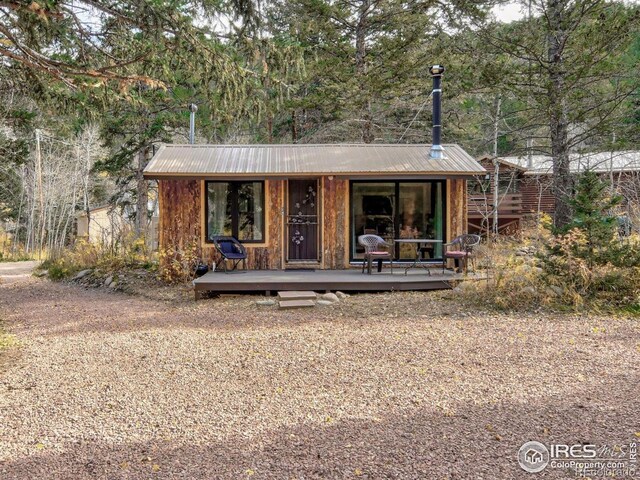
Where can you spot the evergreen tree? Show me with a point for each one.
(593, 207)
(570, 63)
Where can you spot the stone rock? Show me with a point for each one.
(108, 281)
(341, 295)
(332, 297)
(324, 302)
(82, 274)
(529, 290)
(42, 273)
(559, 291)
(113, 284)
(266, 303)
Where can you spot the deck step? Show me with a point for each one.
(296, 295)
(296, 303)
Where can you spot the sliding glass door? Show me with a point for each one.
(413, 209)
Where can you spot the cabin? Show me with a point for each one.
(507, 179)
(303, 206)
(524, 187)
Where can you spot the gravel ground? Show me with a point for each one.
(106, 385)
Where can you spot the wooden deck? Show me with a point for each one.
(268, 281)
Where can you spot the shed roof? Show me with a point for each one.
(622, 161)
(301, 159)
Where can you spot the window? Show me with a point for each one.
(235, 209)
(398, 210)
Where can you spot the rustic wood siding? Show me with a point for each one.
(335, 248)
(180, 213)
(456, 207)
(269, 255)
(537, 195)
(182, 221)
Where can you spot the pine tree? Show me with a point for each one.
(593, 206)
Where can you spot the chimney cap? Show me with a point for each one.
(436, 70)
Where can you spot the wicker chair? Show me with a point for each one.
(232, 250)
(374, 249)
(461, 249)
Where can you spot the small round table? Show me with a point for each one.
(418, 242)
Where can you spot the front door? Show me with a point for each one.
(302, 220)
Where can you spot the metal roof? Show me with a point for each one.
(301, 159)
(623, 161)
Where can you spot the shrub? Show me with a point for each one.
(581, 265)
(10, 250)
(177, 265)
(132, 253)
(544, 270)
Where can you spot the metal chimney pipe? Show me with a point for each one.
(436, 72)
(193, 108)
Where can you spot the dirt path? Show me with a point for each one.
(404, 386)
(11, 272)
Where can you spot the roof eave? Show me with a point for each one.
(275, 175)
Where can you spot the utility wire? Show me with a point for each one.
(416, 116)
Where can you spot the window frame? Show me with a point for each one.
(235, 212)
(396, 220)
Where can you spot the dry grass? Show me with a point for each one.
(398, 385)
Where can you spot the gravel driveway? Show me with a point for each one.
(404, 385)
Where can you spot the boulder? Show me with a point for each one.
(341, 295)
(559, 291)
(324, 302)
(108, 281)
(82, 274)
(332, 297)
(529, 291)
(266, 303)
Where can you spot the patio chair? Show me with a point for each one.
(374, 249)
(232, 250)
(460, 248)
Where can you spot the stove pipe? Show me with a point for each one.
(193, 108)
(437, 151)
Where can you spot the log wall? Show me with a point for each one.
(335, 223)
(537, 195)
(180, 213)
(456, 207)
(182, 221)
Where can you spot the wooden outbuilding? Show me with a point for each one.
(524, 187)
(304, 206)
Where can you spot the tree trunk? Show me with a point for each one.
(496, 165)
(294, 127)
(143, 192)
(558, 122)
(361, 68)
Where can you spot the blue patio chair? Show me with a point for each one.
(232, 250)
